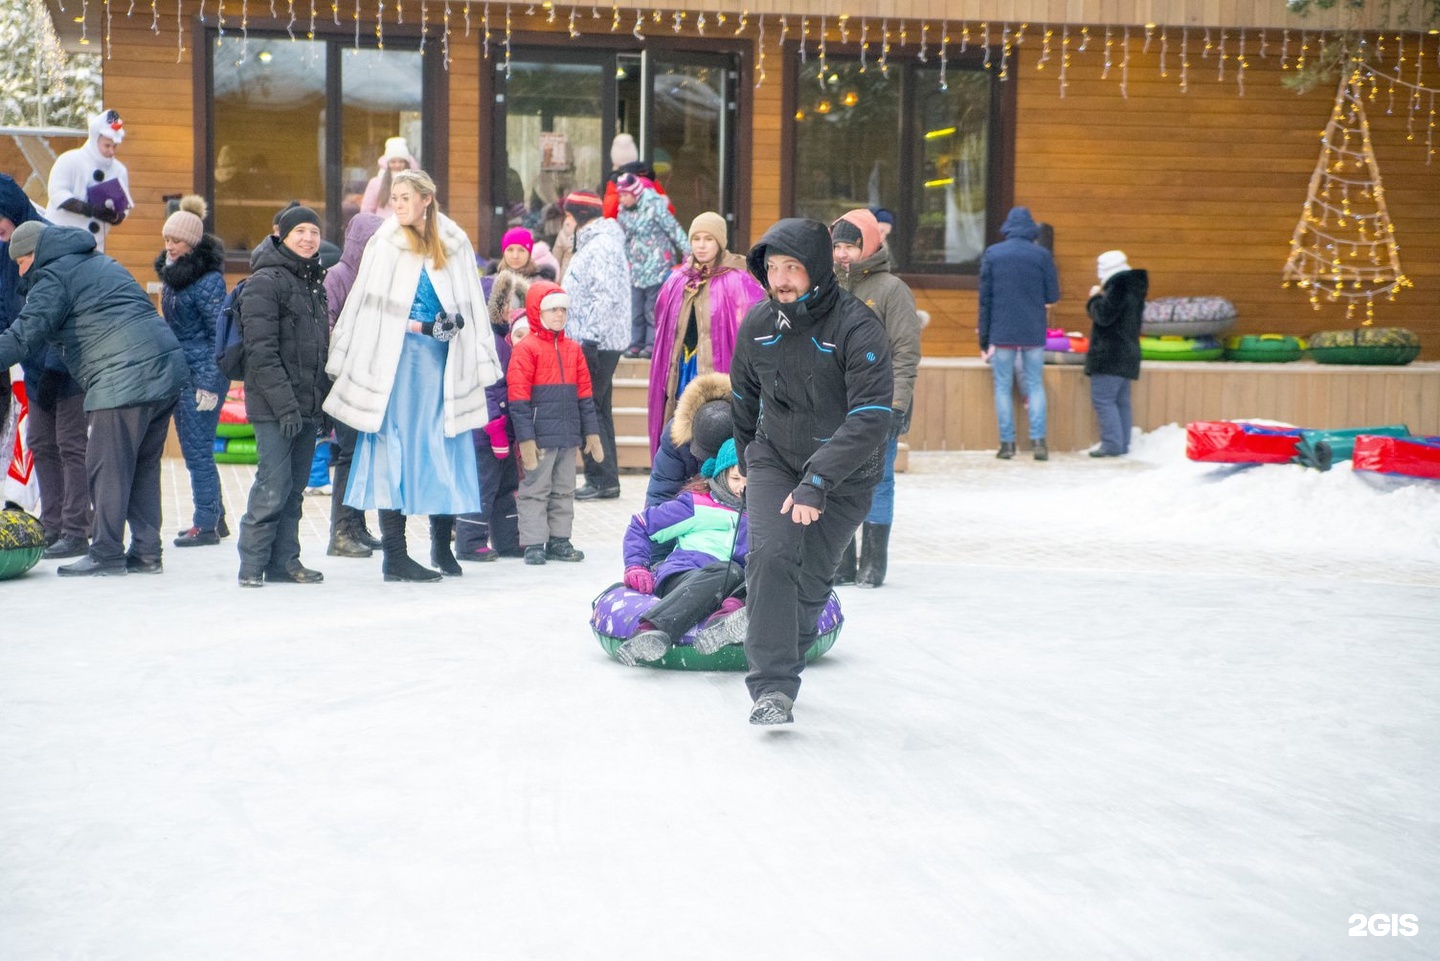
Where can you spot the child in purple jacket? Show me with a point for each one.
(704, 572)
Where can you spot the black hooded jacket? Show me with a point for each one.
(1116, 314)
(285, 325)
(813, 378)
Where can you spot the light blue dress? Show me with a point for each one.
(409, 465)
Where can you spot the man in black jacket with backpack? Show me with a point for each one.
(812, 390)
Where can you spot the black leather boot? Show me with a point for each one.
(442, 555)
(1007, 450)
(874, 551)
(398, 565)
(845, 573)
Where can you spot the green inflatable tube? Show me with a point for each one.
(22, 542)
(1264, 348)
(682, 657)
(1180, 348)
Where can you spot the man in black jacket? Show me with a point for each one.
(812, 390)
(132, 370)
(285, 327)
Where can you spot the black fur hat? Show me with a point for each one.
(714, 425)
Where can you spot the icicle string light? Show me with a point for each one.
(944, 55)
(1109, 44)
(1125, 64)
(760, 49)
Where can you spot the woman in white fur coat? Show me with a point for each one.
(411, 357)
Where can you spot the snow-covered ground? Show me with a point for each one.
(1101, 709)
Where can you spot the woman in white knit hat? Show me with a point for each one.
(192, 273)
(1116, 308)
(397, 157)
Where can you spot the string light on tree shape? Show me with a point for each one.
(1344, 244)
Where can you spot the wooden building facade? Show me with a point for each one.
(1160, 128)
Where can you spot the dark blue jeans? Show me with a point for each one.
(196, 429)
(270, 529)
(1110, 396)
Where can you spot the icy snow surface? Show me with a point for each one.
(1135, 708)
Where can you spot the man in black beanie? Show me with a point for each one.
(132, 368)
(286, 331)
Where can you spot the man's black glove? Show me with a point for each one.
(290, 426)
(810, 495)
(899, 422)
(444, 327)
(47, 392)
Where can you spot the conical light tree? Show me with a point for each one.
(1344, 245)
(41, 85)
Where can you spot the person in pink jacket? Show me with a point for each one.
(697, 313)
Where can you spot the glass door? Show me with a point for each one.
(556, 133)
(691, 130)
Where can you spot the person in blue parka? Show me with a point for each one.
(131, 367)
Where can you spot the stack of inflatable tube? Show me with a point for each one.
(1408, 456)
(1187, 317)
(1322, 449)
(1383, 346)
(22, 542)
(1180, 348)
(618, 611)
(1264, 348)
(1238, 442)
(1063, 348)
(234, 436)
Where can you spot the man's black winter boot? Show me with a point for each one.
(1007, 450)
(874, 554)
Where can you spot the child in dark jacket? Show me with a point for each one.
(706, 525)
(552, 409)
(494, 531)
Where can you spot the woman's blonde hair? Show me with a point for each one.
(424, 241)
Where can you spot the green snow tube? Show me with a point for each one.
(1180, 348)
(22, 542)
(238, 450)
(617, 612)
(1382, 346)
(1264, 348)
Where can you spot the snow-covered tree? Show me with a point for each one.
(40, 84)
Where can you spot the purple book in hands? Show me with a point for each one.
(109, 193)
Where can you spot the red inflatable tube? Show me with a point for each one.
(1411, 456)
(1230, 442)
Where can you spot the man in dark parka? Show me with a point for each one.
(812, 388)
(131, 367)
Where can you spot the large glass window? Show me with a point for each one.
(553, 136)
(304, 120)
(895, 139)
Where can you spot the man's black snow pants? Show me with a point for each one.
(790, 569)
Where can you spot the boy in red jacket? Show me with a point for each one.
(552, 411)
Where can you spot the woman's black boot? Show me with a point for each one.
(398, 565)
(442, 555)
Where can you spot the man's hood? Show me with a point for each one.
(15, 206)
(56, 242)
(808, 241)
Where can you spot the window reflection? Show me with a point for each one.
(690, 131)
(268, 111)
(849, 125)
(382, 93)
(552, 140)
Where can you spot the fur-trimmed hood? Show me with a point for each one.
(509, 286)
(699, 392)
(207, 256)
